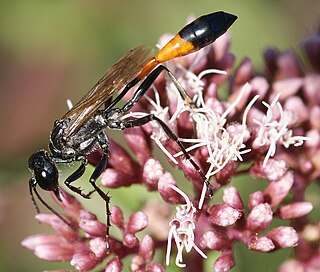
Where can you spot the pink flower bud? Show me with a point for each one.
(70, 203)
(288, 66)
(58, 225)
(270, 56)
(137, 264)
(225, 262)
(311, 46)
(296, 105)
(137, 222)
(284, 237)
(232, 197)
(244, 72)
(98, 247)
(292, 265)
(278, 190)
(84, 261)
(221, 47)
(33, 241)
(169, 195)
(255, 199)
(190, 172)
(224, 176)
(259, 86)
(121, 160)
(130, 240)
(214, 240)
(85, 215)
(155, 267)
(315, 117)
(117, 217)
(136, 139)
(273, 171)
(113, 178)
(259, 217)
(295, 210)
(152, 172)
(147, 247)
(223, 215)
(314, 141)
(311, 89)
(93, 227)
(114, 265)
(50, 247)
(287, 87)
(261, 243)
(54, 252)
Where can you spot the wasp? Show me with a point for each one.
(82, 128)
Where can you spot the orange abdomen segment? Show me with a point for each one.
(176, 47)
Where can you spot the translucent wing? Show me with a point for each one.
(120, 74)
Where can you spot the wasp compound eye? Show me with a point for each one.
(44, 170)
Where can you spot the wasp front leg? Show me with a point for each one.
(76, 175)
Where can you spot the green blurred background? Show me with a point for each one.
(54, 50)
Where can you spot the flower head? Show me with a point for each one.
(266, 127)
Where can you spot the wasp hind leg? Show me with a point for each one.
(173, 137)
(146, 84)
(103, 142)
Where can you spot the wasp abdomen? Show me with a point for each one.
(206, 29)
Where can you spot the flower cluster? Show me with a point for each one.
(267, 124)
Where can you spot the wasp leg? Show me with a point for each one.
(126, 89)
(145, 85)
(103, 142)
(73, 177)
(172, 136)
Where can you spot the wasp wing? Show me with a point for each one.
(117, 77)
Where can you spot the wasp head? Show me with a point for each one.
(44, 171)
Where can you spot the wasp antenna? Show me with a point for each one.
(31, 186)
(51, 209)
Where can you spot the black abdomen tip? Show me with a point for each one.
(206, 29)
